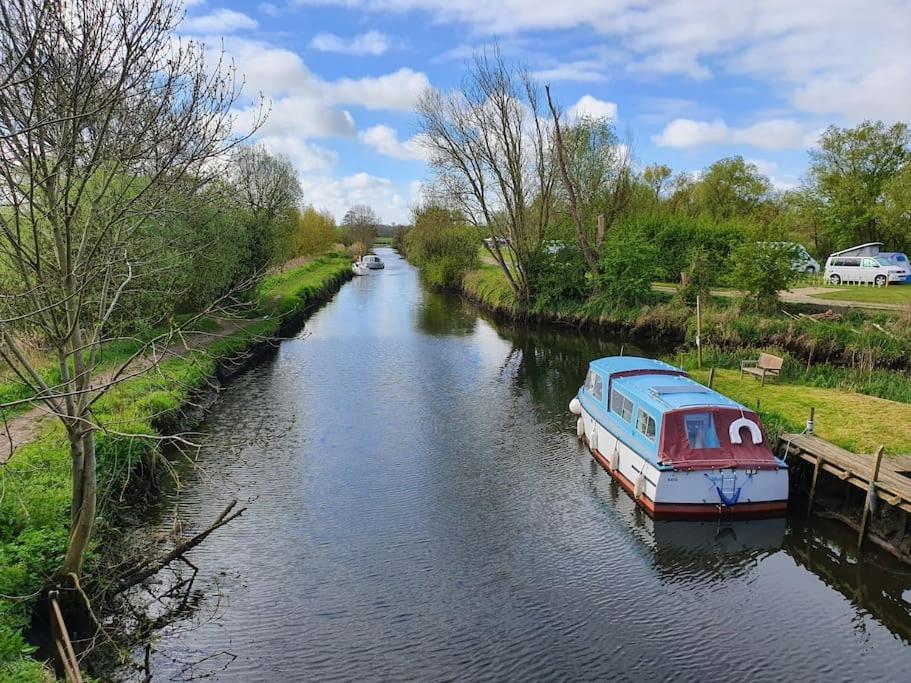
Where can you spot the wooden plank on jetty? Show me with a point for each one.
(893, 486)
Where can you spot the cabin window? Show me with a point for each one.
(621, 405)
(646, 425)
(594, 385)
(700, 430)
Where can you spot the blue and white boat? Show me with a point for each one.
(679, 448)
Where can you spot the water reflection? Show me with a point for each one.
(421, 509)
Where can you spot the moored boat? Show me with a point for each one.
(679, 448)
(359, 268)
(374, 262)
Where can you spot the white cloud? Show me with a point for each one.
(838, 57)
(306, 157)
(269, 9)
(301, 115)
(385, 140)
(884, 93)
(397, 91)
(594, 108)
(219, 21)
(771, 134)
(391, 203)
(689, 133)
(277, 71)
(370, 43)
(581, 71)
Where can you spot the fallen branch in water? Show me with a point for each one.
(143, 571)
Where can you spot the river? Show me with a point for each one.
(419, 508)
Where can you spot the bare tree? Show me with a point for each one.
(107, 118)
(491, 148)
(268, 188)
(360, 222)
(595, 171)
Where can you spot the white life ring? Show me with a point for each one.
(575, 407)
(740, 423)
(614, 461)
(580, 428)
(640, 487)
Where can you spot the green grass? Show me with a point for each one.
(856, 422)
(35, 483)
(894, 294)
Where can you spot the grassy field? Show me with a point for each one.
(35, 483)
(895, 294)
(853, 421)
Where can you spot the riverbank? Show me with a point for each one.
(840, 367)
(34, 507)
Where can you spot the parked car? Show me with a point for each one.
(803, 262)
(488, 241)
(900, 260)
(873, 270)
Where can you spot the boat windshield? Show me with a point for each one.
(700, 430)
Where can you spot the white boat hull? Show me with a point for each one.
(686, 493)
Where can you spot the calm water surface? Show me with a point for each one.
(419, 508)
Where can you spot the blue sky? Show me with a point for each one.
(690, 81)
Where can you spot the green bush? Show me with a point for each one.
(444, 253)
(559, 278)
(675, 237)
(762, 270)
(627, 268)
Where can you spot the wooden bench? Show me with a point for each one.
(766, 365)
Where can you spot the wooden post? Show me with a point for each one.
(810, 421)
(711, 376)
(621, 349)
(699, 331)
(757, 405)
(870, 491)
(816, 469)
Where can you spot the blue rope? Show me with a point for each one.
(725, 500)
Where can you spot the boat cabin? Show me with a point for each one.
(672, 421)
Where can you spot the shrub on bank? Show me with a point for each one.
(559, 278)
(443, 251)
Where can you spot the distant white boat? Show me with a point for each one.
(359, 268)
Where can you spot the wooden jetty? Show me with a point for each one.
(885, 478)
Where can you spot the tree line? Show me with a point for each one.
(129, 205)
(531, 180)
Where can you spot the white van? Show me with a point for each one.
(872, 270)
(803, 262)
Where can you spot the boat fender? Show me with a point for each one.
(593, 441)
(640, 487)
(575, 407)
(737, 425)
(614, 461)
(580, 428)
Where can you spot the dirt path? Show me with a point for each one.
(801, 295)
(24, 428)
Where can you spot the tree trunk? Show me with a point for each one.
(84, 522)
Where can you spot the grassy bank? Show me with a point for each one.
(858, 406)
(859, 339)
(35, 483)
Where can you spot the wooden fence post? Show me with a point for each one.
(711, 376)
(871, 491)
(816, 468)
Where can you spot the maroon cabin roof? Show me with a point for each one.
(676, 450)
